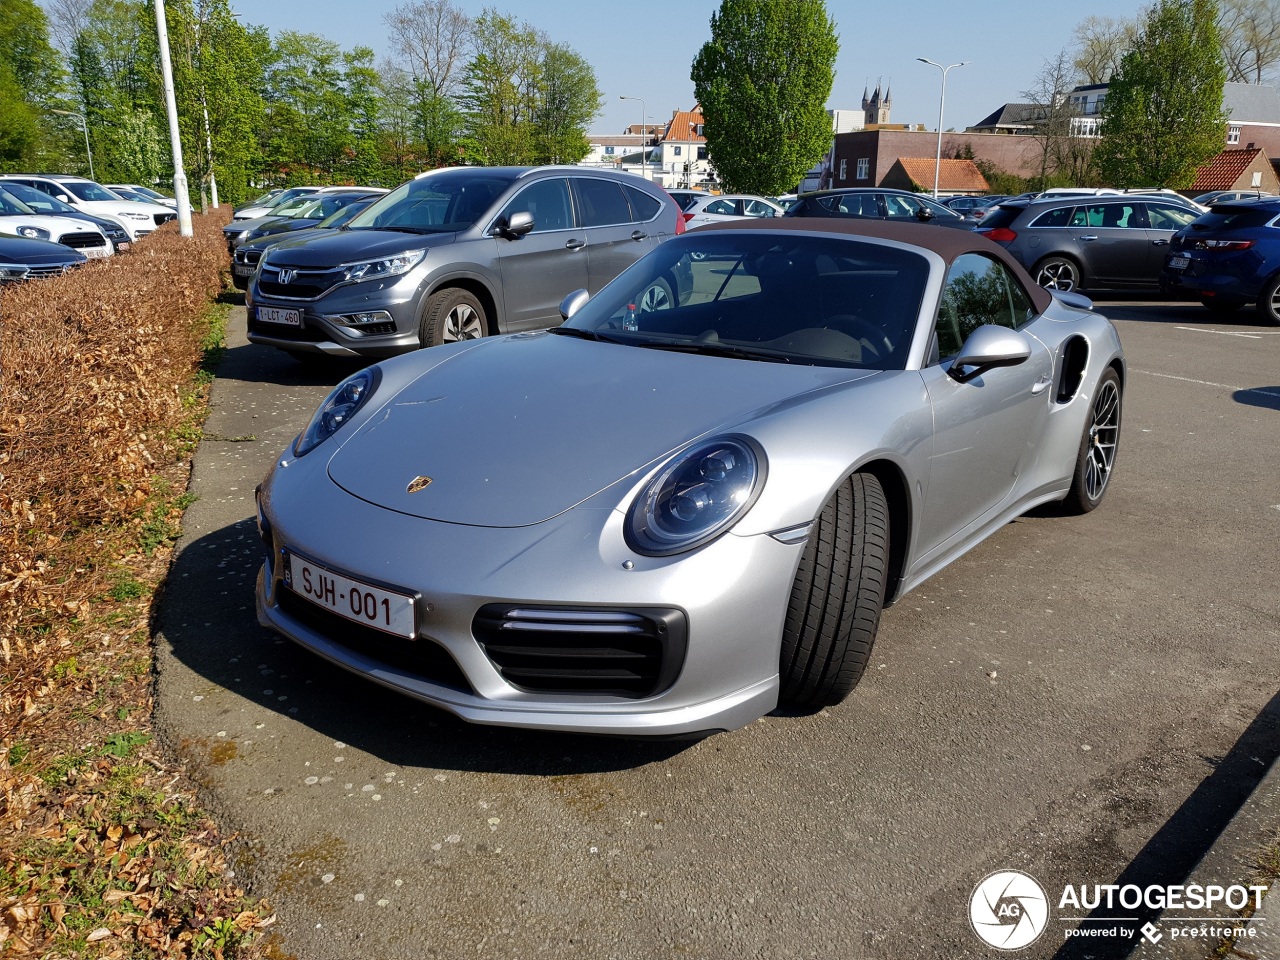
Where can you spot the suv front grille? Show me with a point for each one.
(423, 658)
(303, 284)
(251, 257)
(48, 270)
(80, 241)
(579, 650)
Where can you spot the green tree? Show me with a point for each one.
(763, 80)
(1163, 117)
(499, 89)
(569, 101)
(30, 81)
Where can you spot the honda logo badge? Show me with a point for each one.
(287, 275)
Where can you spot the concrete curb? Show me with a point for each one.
(1231, 860)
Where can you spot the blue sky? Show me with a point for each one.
(643, 48)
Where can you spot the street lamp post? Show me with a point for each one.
(84, 125)
(942, 100)
(644, 138)
(175, 139)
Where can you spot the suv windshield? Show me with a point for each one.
(783, 299)
(11, 206)
(442, 202)
(86, 190)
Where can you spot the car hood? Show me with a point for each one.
(241, 226)
(516, 430)
(36, 252)
(274, 239)
(56, 226)
(350, 246)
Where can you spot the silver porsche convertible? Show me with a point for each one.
(687, 505)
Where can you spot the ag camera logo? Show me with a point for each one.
(1008, 910)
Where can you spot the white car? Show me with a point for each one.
(19, 220)
(138, 219)
(729, 206)
(153, 195)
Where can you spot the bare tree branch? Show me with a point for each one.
(432, 38)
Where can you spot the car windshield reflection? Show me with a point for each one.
(804, 300)
(444, 202)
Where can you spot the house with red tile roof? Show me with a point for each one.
(1237, 170)
(955, 177)
(683, 158)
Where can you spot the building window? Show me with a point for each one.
(699, 129)
(702, 153)
(1233, 133)
(608, 151)
(864, 168)
(844, 166)
(676, 151)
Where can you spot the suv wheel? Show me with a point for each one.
(452, 314)
(1057, 273)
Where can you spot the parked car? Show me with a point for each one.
(24, 259)
(146, 193)
(876, 203)
(961, 205)
(1227, 196)
(729, 206)
(247, 255)
(454, 254)
(1088, 242)
(19, 220)
(252, 211)
(138, 219)
(1229, 257)
(307, 208)
(686, 198)
(47, 205)
(678, 519)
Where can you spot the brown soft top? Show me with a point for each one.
(948, 243)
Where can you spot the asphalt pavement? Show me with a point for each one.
(1087, 700)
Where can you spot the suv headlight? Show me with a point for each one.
(338, 408)
(383, 267)
(33, 233)
(696, 497)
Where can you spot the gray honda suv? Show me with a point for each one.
(1089, 243)
(455, 254)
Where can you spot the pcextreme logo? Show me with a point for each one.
(1008, 910)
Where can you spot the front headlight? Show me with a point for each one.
(696, 497)
(33, 233)
(338, 408)
(384, 267)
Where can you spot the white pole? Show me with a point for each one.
(644, 138)
(942, 100)
(175, 139)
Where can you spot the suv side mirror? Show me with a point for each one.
(987, 347)
(924, 214)
(517, 225)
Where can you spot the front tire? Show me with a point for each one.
(837, 597)
(1097, 456)
(1058, 273)
(452, 314)
(1269, 301)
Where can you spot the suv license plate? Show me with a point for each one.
(279, 315)
(352, 599)
(1179, 263)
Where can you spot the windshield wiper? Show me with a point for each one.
(584, 334)
(400, 229)
(716, 350)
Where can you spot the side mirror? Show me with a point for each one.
(987, 347)
(63, 197)
(517, 225)
(924, 214)
(573, 303)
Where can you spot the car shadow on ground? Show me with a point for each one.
(1267, 397)
(205, 615)
(1184, 839)
(254, 363)
(1138, 307)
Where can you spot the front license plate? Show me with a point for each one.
(354, 600)
(93, 253)
(1179, 263)
(243, 269)
(279, 315)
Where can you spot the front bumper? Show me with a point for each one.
(321, 330)
(730, 598)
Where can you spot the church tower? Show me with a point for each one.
(876, 108)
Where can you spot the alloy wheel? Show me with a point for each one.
(1104, 432)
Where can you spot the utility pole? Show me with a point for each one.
(175, 139)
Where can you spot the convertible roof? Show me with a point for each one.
(945, 242)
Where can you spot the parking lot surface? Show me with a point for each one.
(1085, 699)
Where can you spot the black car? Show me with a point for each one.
(246, 256)
(42, 203)
(23, 259)
(876, 203)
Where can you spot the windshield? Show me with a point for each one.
(294, 207)
(37, 200)
(441, 202)
(346, 214)
(11, 206)
(764, 296)
(86, 190)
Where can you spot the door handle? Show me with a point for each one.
(1040, 386)
(575, 244)
(1159, 243)
(639, 235)
(1090, 237)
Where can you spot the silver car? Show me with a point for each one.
(455, 254)
(667, 522)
